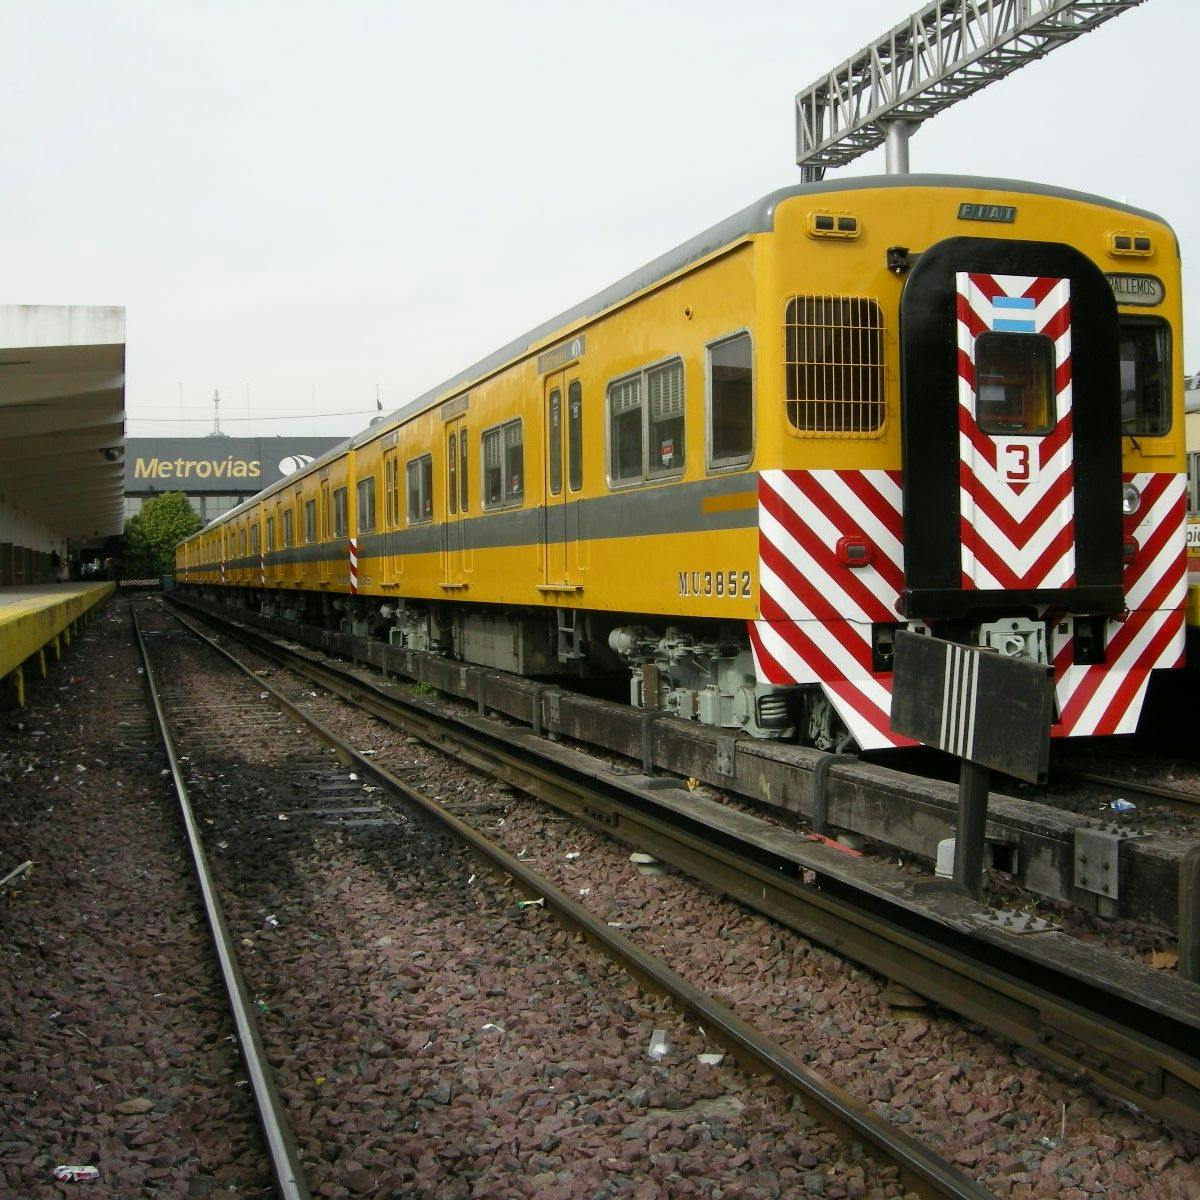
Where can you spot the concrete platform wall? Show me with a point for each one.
(27, 547)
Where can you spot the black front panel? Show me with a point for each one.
(930, 429)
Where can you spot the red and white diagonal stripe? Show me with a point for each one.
(354, 566)
(1107, 698)
(262, 571)
(1016, 492)
(816, 612)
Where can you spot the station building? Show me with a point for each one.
(62, 429)
(217, 472)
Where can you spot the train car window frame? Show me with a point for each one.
(418, 473)
(364, 491)
(310, 521)
(255, 538)
(554, 433)
(242, 542)
(715, 461)
(463, 461)
(575, 436)
(670, 440)
(509, 462)
(826, 354)
(289, 528)
(341, 512)
(1136, 423)
(642, 400)
(391, 511)
(452, 471)
(270, 533)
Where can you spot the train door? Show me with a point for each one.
(1011, 431)
(455, 553)
(559, 532)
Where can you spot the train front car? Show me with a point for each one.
(984, 439)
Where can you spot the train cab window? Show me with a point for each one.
(452, 472)
(366, 504)
(730, 401)
(310, 521)
(625, 429)
(1014, 381)
(504, 466)
(420, 490)
(462, 470)
(270, 533)
(834, 365)
(289, 529)
(575, 435)
(1145, 376)
(341, 520)
(554, 433)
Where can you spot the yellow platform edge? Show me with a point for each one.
(31, 626)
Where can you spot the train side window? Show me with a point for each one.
(730, 401)
(625, 428)
(270, 533)
(341, 521)
(575, 436)
(504, 465)
(255, 538)
(420, 490)
(310, 521)
(1014, 382)
(289, 529)
(242, 543)
(462, 470)
(452, 471)
(664, 386)
(366, 504)
(555, 431)
(1145, 376)
(834, 368)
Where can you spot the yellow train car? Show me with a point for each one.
(855, 406)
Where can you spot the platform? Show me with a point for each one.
(36, 619)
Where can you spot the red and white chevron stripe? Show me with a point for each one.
(1016, 492)
(222, 571)
(815, 611)
(262, 571)
(1107, 698)
(354, 566)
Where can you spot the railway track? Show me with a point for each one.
(1182, 798)
(1131, 1030)
(916, 1167)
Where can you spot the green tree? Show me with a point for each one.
(152, 535)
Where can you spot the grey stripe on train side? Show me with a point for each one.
(639, 512)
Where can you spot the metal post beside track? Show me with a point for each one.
(987, 709)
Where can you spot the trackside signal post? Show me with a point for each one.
(991, 711)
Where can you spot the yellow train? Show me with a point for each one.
(924, 401)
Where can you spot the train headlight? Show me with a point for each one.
(1131, 499)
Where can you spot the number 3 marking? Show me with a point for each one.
(1016, 465)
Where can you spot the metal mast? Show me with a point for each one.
(216, 429)
(944, 52)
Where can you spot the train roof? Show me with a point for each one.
(758, 217)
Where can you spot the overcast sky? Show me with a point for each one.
(315, 198)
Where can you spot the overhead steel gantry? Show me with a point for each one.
(943, 53)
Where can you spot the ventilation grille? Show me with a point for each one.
(833, 359)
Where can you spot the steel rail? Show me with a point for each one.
(921, 1170)
(1141, 1048)
(281, 1143)
(1189, 799)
